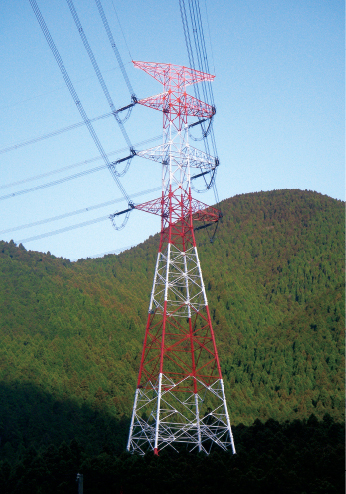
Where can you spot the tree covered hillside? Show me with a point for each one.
(71, 333)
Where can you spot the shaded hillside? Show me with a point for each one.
(290, 458)
(275, 282)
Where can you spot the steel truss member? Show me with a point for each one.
(180, 395)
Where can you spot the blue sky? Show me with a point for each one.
(279, 92)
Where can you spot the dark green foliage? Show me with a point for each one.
(275, 286)
(71, 333)
(298, 457)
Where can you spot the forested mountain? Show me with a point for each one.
(71, 333)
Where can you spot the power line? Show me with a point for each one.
(58, 170)
(57, 89)
(78, 211)
(68, 167)
(211, 46)
(76, 99)
(53, 133)
(115, 48)
(63, 230)
(51, 184)
(201, 64)
(77, 225)
(97, 70)
(116, 251)
(64, 179)
(128, 49)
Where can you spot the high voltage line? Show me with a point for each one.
(78, 211)
(96, 67)
(58, 88)
(51, 184)
(115, 48)
(116, 251)
(77, 101)
(52, 134)
(63, 230)
(77, 225)
(202, 62)
(198, 59)
(86, 121)
(64, 179)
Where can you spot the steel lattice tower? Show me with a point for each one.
(180, 394)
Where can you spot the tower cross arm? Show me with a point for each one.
(199, 210)
(203, 212)
(195, 157)
(170, 73)
(179, 105)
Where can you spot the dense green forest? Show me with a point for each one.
(71, 334)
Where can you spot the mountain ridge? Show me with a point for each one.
(274, 281)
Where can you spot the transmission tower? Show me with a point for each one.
(180, 395)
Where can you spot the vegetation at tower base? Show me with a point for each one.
(72, 333)
(297, 457)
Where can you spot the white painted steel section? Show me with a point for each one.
(198, 424)
(132, 421)
(178, 421)
(154, 282)
(187, 287)
(197, 158)
(167, 270)
(227, 417)
(157, 425)
(201, 277)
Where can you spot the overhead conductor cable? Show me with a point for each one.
(200, 62)
(79, 105)
(115, 50)
(98, 74)
(66, 215)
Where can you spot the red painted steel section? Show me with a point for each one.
(175, 103)
(190, 350)
(143, 353)
(193, 357)
(174, 75)
(214, 343)
(187, 206)
(163, 348)
(178, 211)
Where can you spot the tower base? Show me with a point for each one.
(199, 421)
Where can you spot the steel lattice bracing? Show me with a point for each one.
(180, 393)
(174, 102)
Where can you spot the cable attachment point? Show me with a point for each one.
(114, 164)
(118, 213)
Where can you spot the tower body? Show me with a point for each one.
(180, 396)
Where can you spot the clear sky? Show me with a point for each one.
(279, 93)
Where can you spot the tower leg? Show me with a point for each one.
(198, 424)
(199, 438)
(157, 425)
(132, 420)
(227, 418)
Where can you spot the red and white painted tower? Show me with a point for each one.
(180, 394)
